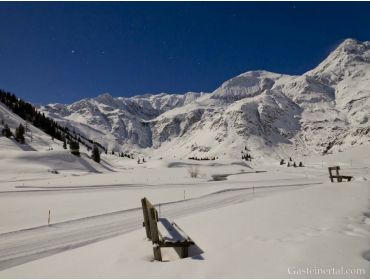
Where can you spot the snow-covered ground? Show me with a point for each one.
(264, 220)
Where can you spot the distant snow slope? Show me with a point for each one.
(325, 109)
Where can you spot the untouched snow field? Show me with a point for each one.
(277, 222)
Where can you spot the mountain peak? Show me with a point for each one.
(349, 42)
(105, 98)
(105, 95)
(353, 46)
(350, 54)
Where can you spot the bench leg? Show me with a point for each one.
(157, 252)
(183, 252)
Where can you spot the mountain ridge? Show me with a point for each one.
(325, 109)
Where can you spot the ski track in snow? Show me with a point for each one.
(26, 245)
(38, 189)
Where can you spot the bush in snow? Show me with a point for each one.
(193, 171)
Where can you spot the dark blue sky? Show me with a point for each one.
(62, 52)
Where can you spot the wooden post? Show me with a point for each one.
(146, 224)
(330, 175)
(154, 234)
(339, 179)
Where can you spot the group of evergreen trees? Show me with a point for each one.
(202, 158)
(247, 157)
(291, 163)
(6, 131)
(122, 154)
(18, 135)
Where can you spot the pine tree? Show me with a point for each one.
(282, 162)
(74, 147)
(300, 164)
(95, 155)
(19, 134)
(6, 131)
(64, 143)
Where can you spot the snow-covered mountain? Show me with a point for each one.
(325, 109)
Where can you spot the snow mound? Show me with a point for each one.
(42, 162)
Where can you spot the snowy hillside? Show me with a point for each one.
(324, 110)
(40, 154)
(36, 140)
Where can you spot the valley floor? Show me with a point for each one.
(279, 222)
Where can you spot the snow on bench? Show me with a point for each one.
(164, 233)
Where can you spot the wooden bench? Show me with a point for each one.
(337, 176)
(163, 233)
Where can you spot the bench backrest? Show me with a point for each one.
(150, 220)
(336, 168)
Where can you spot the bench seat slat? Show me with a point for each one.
(171, 233)
(176, 243)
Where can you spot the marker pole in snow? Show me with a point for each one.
(49, 218)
